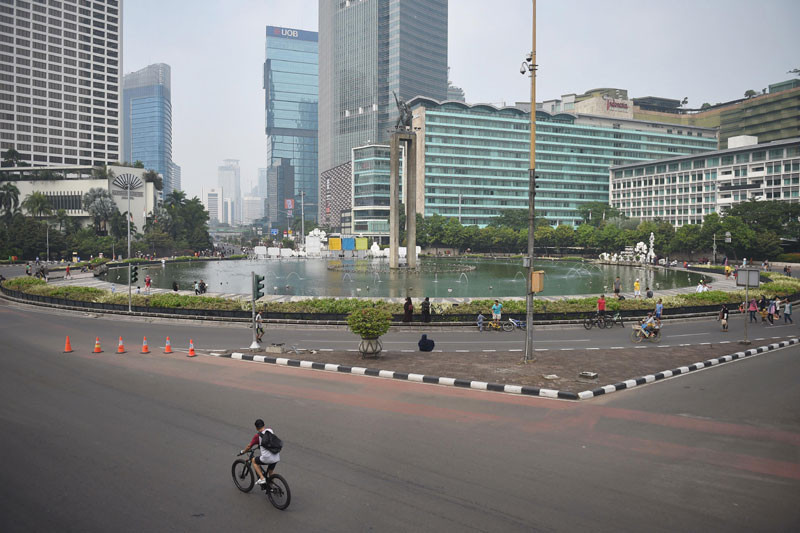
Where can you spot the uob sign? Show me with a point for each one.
(288, 33)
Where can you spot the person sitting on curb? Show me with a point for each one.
(425, 344)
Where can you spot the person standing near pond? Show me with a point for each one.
(637, 289)
(175, 286)
(408, 310)
(497, 312)
(426, 310)
(617, 287)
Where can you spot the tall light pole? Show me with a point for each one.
(302, 217)
(529, 66)
(128, 216)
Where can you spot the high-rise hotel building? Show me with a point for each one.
(60, 64)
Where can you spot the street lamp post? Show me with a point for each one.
(529, 66)
(128, 216)
(302, 217)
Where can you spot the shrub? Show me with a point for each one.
(369, 323)
(793, 257)
(22, 284)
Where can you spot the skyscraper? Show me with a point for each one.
(60, 63)
(147, 120)
(229, 182)
(212, 200)
(175, 171)
(368, 50)
(291, 97)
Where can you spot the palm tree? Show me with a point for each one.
(175, 199)
(102, 173)
(99, 203)
(9, 199)
(62, 217)
(37, 204)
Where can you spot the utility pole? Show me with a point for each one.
(128, 216)
(715, 248)
(530, 66)
(302, 217)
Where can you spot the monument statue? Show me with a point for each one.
(404, 120)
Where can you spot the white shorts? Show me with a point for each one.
(637, 293)
(268, 458)
(495, 316)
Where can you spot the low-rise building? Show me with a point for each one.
(683, 190)
(65, 186)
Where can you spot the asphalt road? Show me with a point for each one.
(144, 442)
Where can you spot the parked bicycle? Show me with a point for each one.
(613, 320)
(491, 325)
(513, 324)
(276, 487)
(596, 320)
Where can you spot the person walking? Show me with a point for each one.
(617, 287)
(147, 281)
(479, 321)
(659, 309)
(196, 288)
(408, 310)
(787, 312)
(723, 318)
(752, 308)
(426, 310)
(68, 275)
(771, 312)
(762, 308)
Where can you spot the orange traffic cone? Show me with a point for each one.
(97, 345)
(145, 347)
(191, 349)
(121, 347)
(67, 346)
(168, 347)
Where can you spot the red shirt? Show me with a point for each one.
(601, 304)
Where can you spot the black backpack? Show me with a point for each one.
(271, 442)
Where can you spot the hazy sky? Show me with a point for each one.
(706, 50)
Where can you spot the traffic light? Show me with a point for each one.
(134, 274)
(258, 287)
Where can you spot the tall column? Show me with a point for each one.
(411, 200)
(394, 193)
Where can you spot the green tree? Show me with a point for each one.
(586, 236)
(12, 158)
(453, 234)
(749, 93)
(687, 239)
(9, 200)
(544, 237)
(99, 203)
(564, 236)
(37, 204)
(102, 173)
(516, 219)
(595, 213)
(151, 176)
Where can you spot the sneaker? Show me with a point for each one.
(261, 482)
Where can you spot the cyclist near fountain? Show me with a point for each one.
(497, 311)
(649, 324)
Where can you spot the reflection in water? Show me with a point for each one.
(490, 279)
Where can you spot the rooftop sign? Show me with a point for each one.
(291, 33)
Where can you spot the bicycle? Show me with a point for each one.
(596, 320)
(616, 319)
(276, 487)
(492, 325)
(512, 324)
(638, 334)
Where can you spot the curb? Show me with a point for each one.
(496, 387)
(419, 378)
(635, 382)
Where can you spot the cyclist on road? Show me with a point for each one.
(267, 458)
(649, 324)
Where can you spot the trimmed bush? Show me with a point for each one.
(369, 323)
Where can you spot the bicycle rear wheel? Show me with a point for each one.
(588, 323)
(601, 323)
(656, 336)
(242, 475)
(278, 492)
(508, 326)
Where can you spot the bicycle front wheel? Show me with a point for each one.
(588, 323)
(242, 475)
(601, 323)
(508, 326)
(278, 492)
(636, 335)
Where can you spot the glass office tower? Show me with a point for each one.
(292, 93)
(369, 50)
(147, 120)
